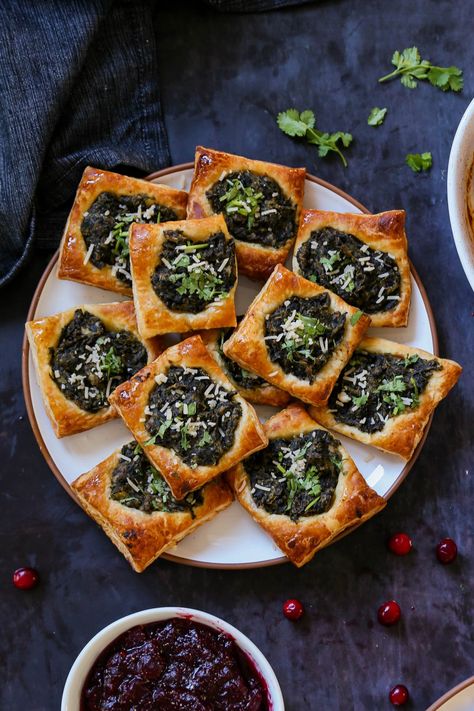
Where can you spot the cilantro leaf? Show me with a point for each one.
(359, 401)
(294, 123)
(419, 161)
(410, 67)
(376, 116)
(396, 385)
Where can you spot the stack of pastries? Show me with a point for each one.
(195, 438)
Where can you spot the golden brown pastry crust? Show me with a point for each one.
(66, 417)
(299, 540)
(385, 232)
(73, 249)
(153, 316)
(256, 261)
(263, 395)
(247, 346)
(131, 398)
(142, 537)
(402, 433)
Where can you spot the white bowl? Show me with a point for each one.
(81, 667)
(460, 165)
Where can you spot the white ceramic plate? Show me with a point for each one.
(232, 539)
(461, 190)
(461, 698)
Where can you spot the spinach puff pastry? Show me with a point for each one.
(190, 421)
(80, 356)
(386, 395)
(297, 336)
(362, 258)
(184, 275)
(261, 203)
(127, 496)
(251, 386)
(303, 488)
(94, 248)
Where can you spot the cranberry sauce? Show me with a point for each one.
(173, 665)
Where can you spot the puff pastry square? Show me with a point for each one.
(133, 504)
(297, 336)
(303, 489)
(386, 395)
(261, 203)
(80, 355)
(362, 258)
(190, 421)
(251, 386)
(94, 246)
(184, 275)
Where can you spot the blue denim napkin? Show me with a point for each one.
(79, 86)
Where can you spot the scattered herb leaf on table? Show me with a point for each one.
(294, 123)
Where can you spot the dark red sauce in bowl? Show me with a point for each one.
(174, 665)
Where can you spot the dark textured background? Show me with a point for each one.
(224, 77)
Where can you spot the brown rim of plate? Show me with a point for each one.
(451, 694)
(169, 556)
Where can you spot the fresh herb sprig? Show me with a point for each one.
(419, 161)
(294, 123)
(410, 67)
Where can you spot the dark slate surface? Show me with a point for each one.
(224, 78)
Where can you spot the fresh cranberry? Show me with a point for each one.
(400, 543)
(446, 551)
(25, 578)
(389, 613)
(399, 695)
(293, 609)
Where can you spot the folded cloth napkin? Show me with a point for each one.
(79, 86)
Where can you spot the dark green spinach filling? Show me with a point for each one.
(364, 277)
(240, 376)
(255, 208)
(89, 361)
(191, 275)
(136, 483)
(106, 224)
(301, 334)
(192, 414)
(297, 476)
(377, 386)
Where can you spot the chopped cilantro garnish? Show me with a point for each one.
(355, 317)
(241, 200)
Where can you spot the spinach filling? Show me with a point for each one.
(377, 386)
(106, 224)
(136, 483)
(297, 476)
(364, 277)
(255, 208)
(89, 361)
(193, 415)
(241, 377)
(301, 334)
(192, 275)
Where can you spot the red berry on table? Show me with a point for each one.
(399, 695)
(446, 551)
(293, 609)
(389, 613)
(25, 578)
(400, 543)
